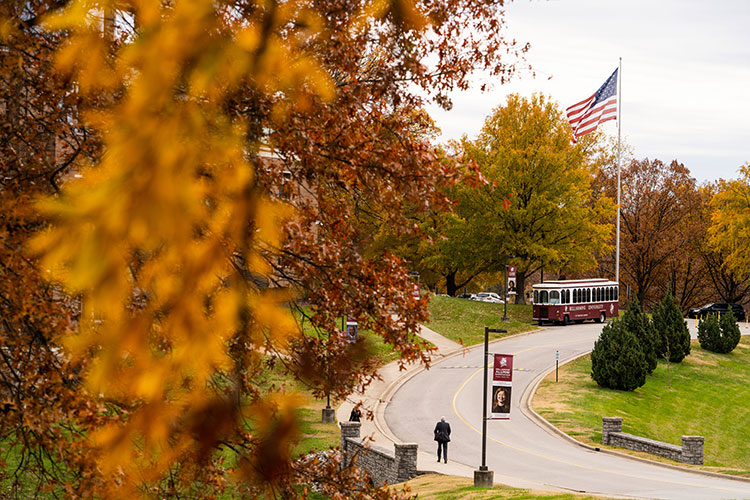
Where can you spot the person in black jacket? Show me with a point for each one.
(442, 436)
(355, 415)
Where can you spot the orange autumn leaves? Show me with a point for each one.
(150, 235)
(169, 231)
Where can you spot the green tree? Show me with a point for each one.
(671, 330)
(638, 323)
(617, 361)
(537, 203)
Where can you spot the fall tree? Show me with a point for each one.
(537, 204)
(730, 222)
(659, 240)
(722, 282)
(145, 296)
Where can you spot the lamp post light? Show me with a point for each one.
(505, 290)
(483, 477)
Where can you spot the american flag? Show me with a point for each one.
(586, 115)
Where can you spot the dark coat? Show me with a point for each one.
(442, 432)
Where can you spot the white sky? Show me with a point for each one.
(685, 74)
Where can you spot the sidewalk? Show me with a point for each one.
(377, 396)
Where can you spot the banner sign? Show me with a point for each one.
(511, 280)
(352, 328)
(502, 384)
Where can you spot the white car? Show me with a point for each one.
(488, 297)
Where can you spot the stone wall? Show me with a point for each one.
(691, 451)
(383, 465)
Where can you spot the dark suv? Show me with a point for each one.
(718, 308)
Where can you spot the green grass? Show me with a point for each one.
(439, 487)
(463, 320)
(375, 344)
(705, 395)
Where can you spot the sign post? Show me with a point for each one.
(507, 284)
(484, 478)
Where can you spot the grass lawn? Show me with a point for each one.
(705, 395)
(439, 487)
(463, 320)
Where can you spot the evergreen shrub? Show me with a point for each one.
(638, 323)
(709, 333)
(730, 332)
(719, 335)
(673, 336)
(617, 361)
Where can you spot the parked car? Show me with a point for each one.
(466, 296)
(488, 297)
(718, 308)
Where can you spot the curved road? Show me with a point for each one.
(521, 450)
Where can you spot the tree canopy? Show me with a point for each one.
(173, 252)
(730, 222)
(537, 204)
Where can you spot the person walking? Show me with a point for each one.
(442, 436)
(355, 415)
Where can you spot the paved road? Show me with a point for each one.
(519, 451)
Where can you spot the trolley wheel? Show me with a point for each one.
(566, 320)
(602, 318)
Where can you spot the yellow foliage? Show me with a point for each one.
(147, 236)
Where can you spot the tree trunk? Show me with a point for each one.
(520, 288)
(450, 283)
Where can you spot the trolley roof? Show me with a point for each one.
(574, 283)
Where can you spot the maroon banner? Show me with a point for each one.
(503, 369)
(502, 385)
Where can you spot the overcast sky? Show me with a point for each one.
(685, 74)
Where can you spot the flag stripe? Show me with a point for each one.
(585, 116)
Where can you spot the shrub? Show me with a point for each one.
(672, 332)
(638, 323)
(730, 333)
(617, 361)
(709, 333)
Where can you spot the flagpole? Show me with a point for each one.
(619, 124)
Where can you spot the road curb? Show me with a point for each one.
(527, 410)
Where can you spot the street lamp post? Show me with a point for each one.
(484, 478)
(505, 291)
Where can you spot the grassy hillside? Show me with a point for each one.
(705, 395)
(463, 320)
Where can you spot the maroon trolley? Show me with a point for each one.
(575, 300)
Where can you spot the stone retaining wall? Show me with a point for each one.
(691, 451)
(383, 465)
